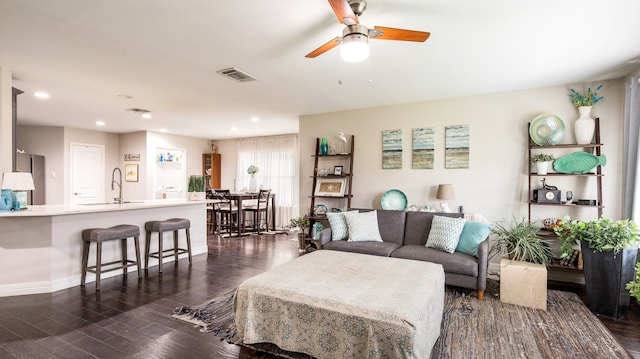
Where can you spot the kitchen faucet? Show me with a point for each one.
(119, 183)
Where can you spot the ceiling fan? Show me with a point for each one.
(355, 37)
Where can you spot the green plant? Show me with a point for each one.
(196, 183)
(299, 222)
(600, 235)
(588, 99)
(542, 157)
(634, 285)
(519, 240)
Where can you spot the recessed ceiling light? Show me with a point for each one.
(100, 123)
(234, 129)
(254, 119)
(146, 115)
(163, 130)
(41, 94)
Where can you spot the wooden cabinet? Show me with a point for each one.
(537, 209)
(325, 178)
(211, 164)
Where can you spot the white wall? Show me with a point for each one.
(228, 151)
(193, 148)
(46, 141)
(495, 185)
(135, 143)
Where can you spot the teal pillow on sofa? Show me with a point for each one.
(472, 235)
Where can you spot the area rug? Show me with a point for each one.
(470, 328)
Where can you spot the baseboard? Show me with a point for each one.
(14, 289)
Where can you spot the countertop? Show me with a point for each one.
(66, 209)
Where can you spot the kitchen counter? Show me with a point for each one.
(41, 247)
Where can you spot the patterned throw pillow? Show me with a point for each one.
(472, 235)
(445, 233)
(363, 227)
(339, 229)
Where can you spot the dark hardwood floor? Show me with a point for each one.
(130, 318)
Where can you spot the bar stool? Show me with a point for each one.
(99, 235)
(173, 224)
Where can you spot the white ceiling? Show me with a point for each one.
(165, 54)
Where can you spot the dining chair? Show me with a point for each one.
(224, 211)
(256, 211)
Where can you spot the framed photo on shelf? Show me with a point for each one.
(330, 187)
(337, 170)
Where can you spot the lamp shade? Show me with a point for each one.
(445, 191)
(18, 181)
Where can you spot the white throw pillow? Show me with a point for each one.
(339, 229)
(363, 227)
(445, 233)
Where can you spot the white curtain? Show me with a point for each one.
(631, 154)
(277, 160)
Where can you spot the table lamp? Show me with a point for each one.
(19, 183)
(445, 192)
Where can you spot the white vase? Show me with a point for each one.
(542, 167)
(584, 126)
(253, 184)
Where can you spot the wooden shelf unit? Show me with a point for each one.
(596, 147)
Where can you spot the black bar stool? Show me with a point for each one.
(99, 235)
(173, 224)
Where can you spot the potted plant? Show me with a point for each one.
(609, 251)
(523, 274)
(542, 161)
(584, 125)
(302, 223)
(519, 241)
(196, 188)
(634, 286)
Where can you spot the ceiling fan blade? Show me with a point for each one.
(343, 12)
(390, 33)
(324, 48)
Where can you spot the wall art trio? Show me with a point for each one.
(423, 148)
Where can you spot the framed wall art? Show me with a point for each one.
(423, 148)
(456, 146)
(330, 187)
(131, 173)
(391, 149)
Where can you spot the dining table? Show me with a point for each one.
(239, 198)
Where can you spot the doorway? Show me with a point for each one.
(87, 173)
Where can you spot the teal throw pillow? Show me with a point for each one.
(363, 227)
(472, 235)
(445, 233)
(339, 229)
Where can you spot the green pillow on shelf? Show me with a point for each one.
(472, 235)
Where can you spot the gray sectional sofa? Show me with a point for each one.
(404, 235)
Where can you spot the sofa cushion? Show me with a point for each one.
(472, 235)
(457, 262)
(391, 224)
(445, 233)
(339, 229)
(363, 227)
(418, 225)
(375, 248)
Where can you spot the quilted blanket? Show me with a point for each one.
(332, 304)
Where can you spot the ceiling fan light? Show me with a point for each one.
(355, 48)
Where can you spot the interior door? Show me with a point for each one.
(87, 174)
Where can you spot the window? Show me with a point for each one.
(277, 160)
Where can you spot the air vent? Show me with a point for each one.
(237, 74)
